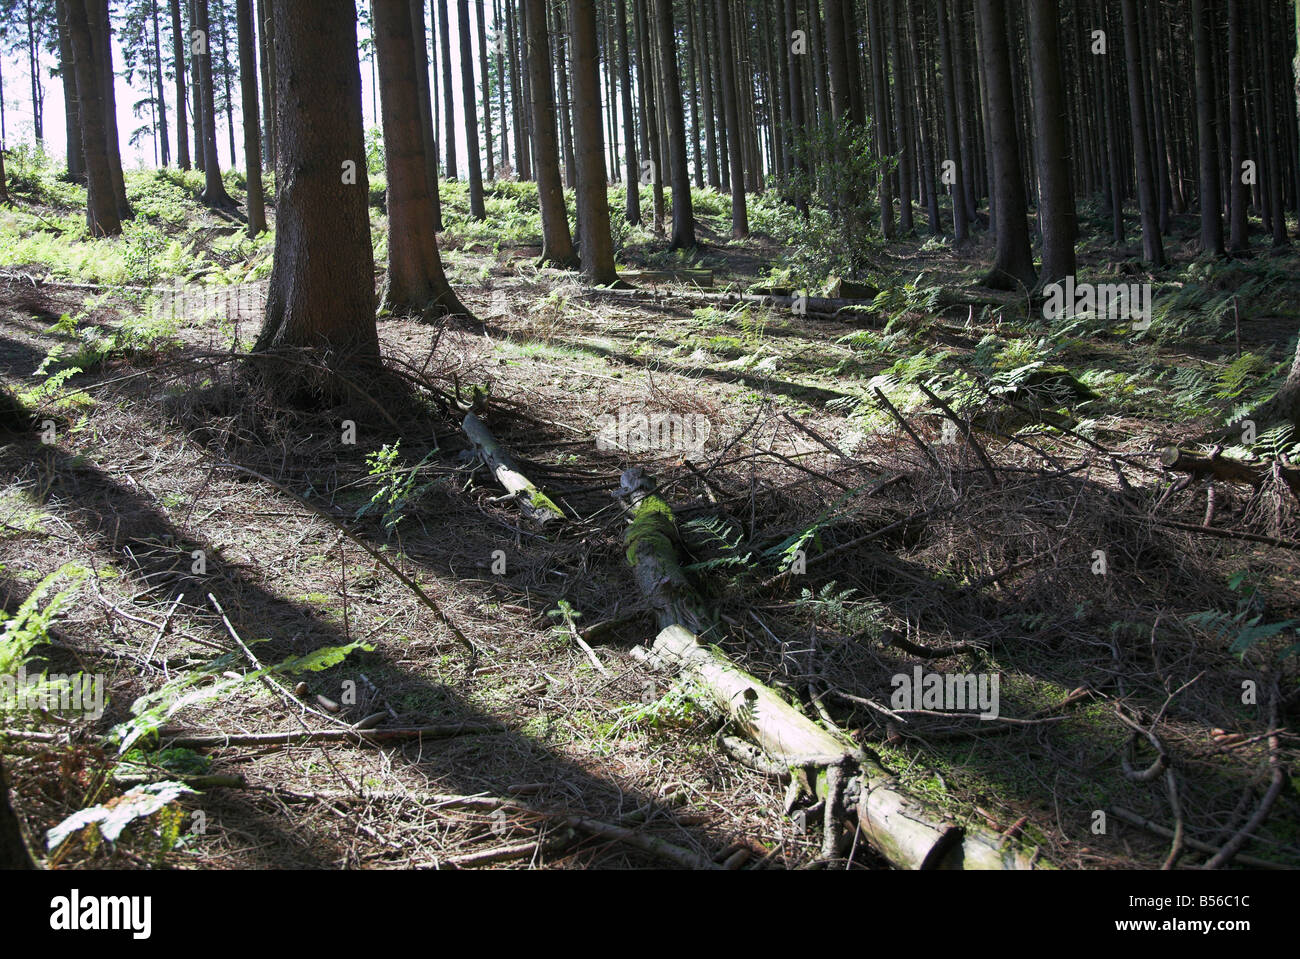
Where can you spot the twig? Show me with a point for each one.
(187, 740)
(966, 431)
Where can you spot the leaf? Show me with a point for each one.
(116, 815)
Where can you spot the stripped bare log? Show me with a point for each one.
(909, 831)
(1219, 467)
(536, 504)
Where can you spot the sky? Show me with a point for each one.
(19, 125)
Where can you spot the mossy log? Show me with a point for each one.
(907, 830)
(535, 503)
(1226, 469)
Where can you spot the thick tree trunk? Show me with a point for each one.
(477, 210)
(322, 288)
(486, 81)
(214, 190)
(101, 34)
(1210, 192)
(158, 72)
(13, 851)
(252, 125)
(102, 215)
(1238, 239)
(557, 240)
(1014, 262)
(629, 122)
(1152, 245)
(416, 281)
(952, 127)
(72, 113)
(683, 237)
(597, 247)
(419, 44)
(266, 46)
(731, 111)
(449, 112)
(1056, 211)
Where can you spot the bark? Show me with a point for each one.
(562, 86)
(102, 217)
(629, 122)
(101, 33)
(739, 212)
(477, 211)
(72, 114)
(1152, 245)
(1211, 195)
(487, 91)
(650, 141)
(252, 125)
(416, 282)
(214, 190)
(1056, 209)
(321, 294)
(797, 116)
(449, 113)
(592, 196)
(267, 56)
(419, 43)
(1014, 262)
(903, 118)
(158, 72)
(1238, 241)
(557, 241)
(683, 237)
(952, 123)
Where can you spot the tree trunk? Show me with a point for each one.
(731, 112)
(449, 113)
(1211, 195)
(557, 241)
(416, 281)
(592, 196)
(1238, 240)
(101, 37)
(650, 143)
(477, 211)
(266, 43)
(13, 851)
(683, 237)
(419, 44)
(322, 288)
(72, 113)
(214, 190)
(952, 126)
(629, 122)
(1014, 262)
(1056, 212)
(1152, 245)
(252, 124)
(102, 217)
(158, 71)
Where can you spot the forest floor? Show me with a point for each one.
(923, 549)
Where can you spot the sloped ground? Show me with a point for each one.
(931, 559)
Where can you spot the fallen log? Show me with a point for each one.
(536, 505)
(1228, 470)
(182, 739)
(909, 831)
